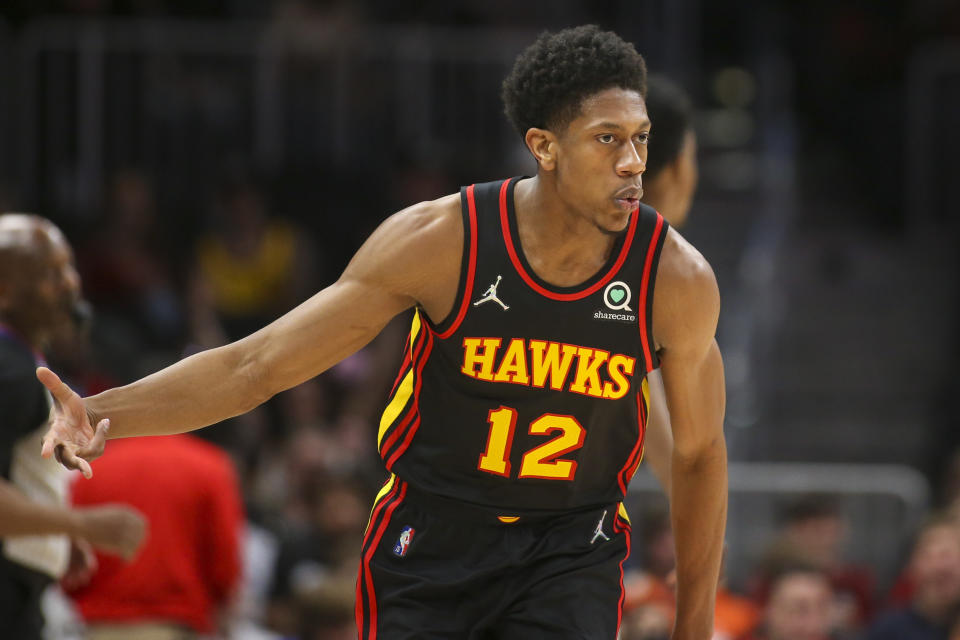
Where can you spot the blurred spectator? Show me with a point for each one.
(671, 176)
(813, 531)
(250, 268)
(650, 611)
(182, 583)
(39, 291)
(734, 616)
(315, 576)
(934, 570)
(648, 582)
(125, 270)
(799, 606)
(649, 599)
(646, 623)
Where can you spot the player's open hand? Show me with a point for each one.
(70, 436)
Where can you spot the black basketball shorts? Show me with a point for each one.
(433, 568)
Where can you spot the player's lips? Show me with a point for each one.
(629, 193)
(628, 198)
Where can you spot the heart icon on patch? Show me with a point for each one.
(617, 296)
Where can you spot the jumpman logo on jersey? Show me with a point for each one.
(491, 294)
(598, 532)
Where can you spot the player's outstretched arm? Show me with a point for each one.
(686, 308)
(413, 257)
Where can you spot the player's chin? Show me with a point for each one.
(614, 222)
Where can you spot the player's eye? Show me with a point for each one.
(642, 138)
(606, 138)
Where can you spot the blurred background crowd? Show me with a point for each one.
(215, 162)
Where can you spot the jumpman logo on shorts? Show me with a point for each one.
(491, 294)
(598, 532)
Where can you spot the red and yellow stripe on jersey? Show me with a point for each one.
(400, 419)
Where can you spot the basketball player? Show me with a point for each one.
(671, 176)
(669, 183)
(511, 433)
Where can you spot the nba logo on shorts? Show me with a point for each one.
(403, 543)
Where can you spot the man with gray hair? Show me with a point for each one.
(39, 297)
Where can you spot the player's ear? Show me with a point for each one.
(543, 145)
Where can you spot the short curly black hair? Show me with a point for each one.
(553, 76)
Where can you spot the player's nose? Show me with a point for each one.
(630, 162)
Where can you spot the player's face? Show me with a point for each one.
(601, 157)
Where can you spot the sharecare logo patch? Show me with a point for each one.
(617, 296)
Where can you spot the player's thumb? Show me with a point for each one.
(48, 378)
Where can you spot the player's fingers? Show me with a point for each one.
(71, 460)
(95, 447)
(49, 445)
(84, 468)
(57, 388)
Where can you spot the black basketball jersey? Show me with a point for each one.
(528, 397)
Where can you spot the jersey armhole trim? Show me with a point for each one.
(646, 294)
(467, 270)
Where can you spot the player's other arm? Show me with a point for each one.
(686, 308)
(413, 257)
(658, 442)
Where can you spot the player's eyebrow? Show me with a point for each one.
(645, 123)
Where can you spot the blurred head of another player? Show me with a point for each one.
(39, 285)
(577, 99)
(671, 175)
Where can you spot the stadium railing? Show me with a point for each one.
(882, 505)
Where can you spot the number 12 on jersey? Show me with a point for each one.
(542, 461)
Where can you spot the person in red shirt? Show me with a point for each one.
(187, 571)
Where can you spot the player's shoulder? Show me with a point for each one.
(411, 247)
(686, 298)
(438, 219)
(683, 271)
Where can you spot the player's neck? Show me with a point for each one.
(563, 246)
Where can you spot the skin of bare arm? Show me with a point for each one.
(686, 308)
(113, 528)
(412, 258)
(658, 441)
(23, 517)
